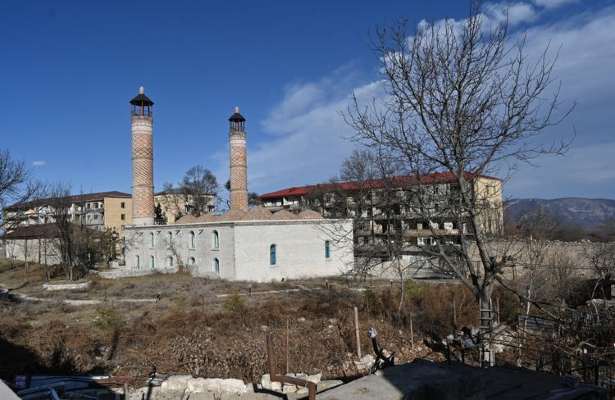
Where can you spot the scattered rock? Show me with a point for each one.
(217, 385)
(365, 363)
(268, 385)
(314, 378)
(175, 383)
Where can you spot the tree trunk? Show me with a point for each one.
(486, 326)
(401, 289)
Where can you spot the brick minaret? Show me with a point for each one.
(239, 162)
(142, 160)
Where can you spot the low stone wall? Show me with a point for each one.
(66, 286)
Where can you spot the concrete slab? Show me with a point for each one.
(425, 380)
(6, 393)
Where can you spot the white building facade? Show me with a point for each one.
(247, 250)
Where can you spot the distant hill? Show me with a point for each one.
(589, 214)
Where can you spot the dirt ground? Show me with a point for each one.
(204, 327)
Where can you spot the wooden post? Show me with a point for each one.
(411, 332)
(454, 313)
(287, 343)
(25, 256)
(356, 329)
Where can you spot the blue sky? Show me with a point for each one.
(69, 68)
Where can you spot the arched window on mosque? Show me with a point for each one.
(273, 255)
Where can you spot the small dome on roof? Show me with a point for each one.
(259, 213)
(237, 117)
(309, 214)
(141, 99)
(284, 214)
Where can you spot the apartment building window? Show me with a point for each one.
(138, 262)
(152, 262)
(192, 244)
(191, 261)
(273, 255)
(491, 191)
(169, 261)
(123, 205)
(327, 249)
(151, 240)
(123, 217)
(170, 236)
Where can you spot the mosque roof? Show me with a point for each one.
(252, 214)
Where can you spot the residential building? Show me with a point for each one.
(399, 208)
(174, 204)
(102, 210)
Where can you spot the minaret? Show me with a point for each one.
(142, 160)
(239, 162)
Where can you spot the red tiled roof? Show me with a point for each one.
(399, 181)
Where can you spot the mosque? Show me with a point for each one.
(245, 243)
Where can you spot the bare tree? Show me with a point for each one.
(460, 100)
(59, 203)
(601, 257)
(17, 189)
(198, 186)
(79, 246)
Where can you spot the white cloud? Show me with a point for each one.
(517, 13)
(314, 140)
(585, 171)
(307, 138)
(39, 163)
(551, 4)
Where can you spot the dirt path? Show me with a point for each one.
(23, 297)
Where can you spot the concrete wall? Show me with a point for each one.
(300, 250)
(489, 192)
(43, 251)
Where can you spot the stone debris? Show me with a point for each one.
(290, 389)
(217, 385)
(365, 363)
(179, 386)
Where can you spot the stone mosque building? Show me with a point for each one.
(245, 243)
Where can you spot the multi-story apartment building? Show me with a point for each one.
(100, 211)
(415, 212)
(174, 204)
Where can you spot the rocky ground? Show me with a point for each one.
(209, 329)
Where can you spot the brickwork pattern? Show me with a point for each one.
(142, 169)
(239, 171)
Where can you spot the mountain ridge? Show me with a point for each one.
(587, 213)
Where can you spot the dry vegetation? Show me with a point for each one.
(192, 330)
